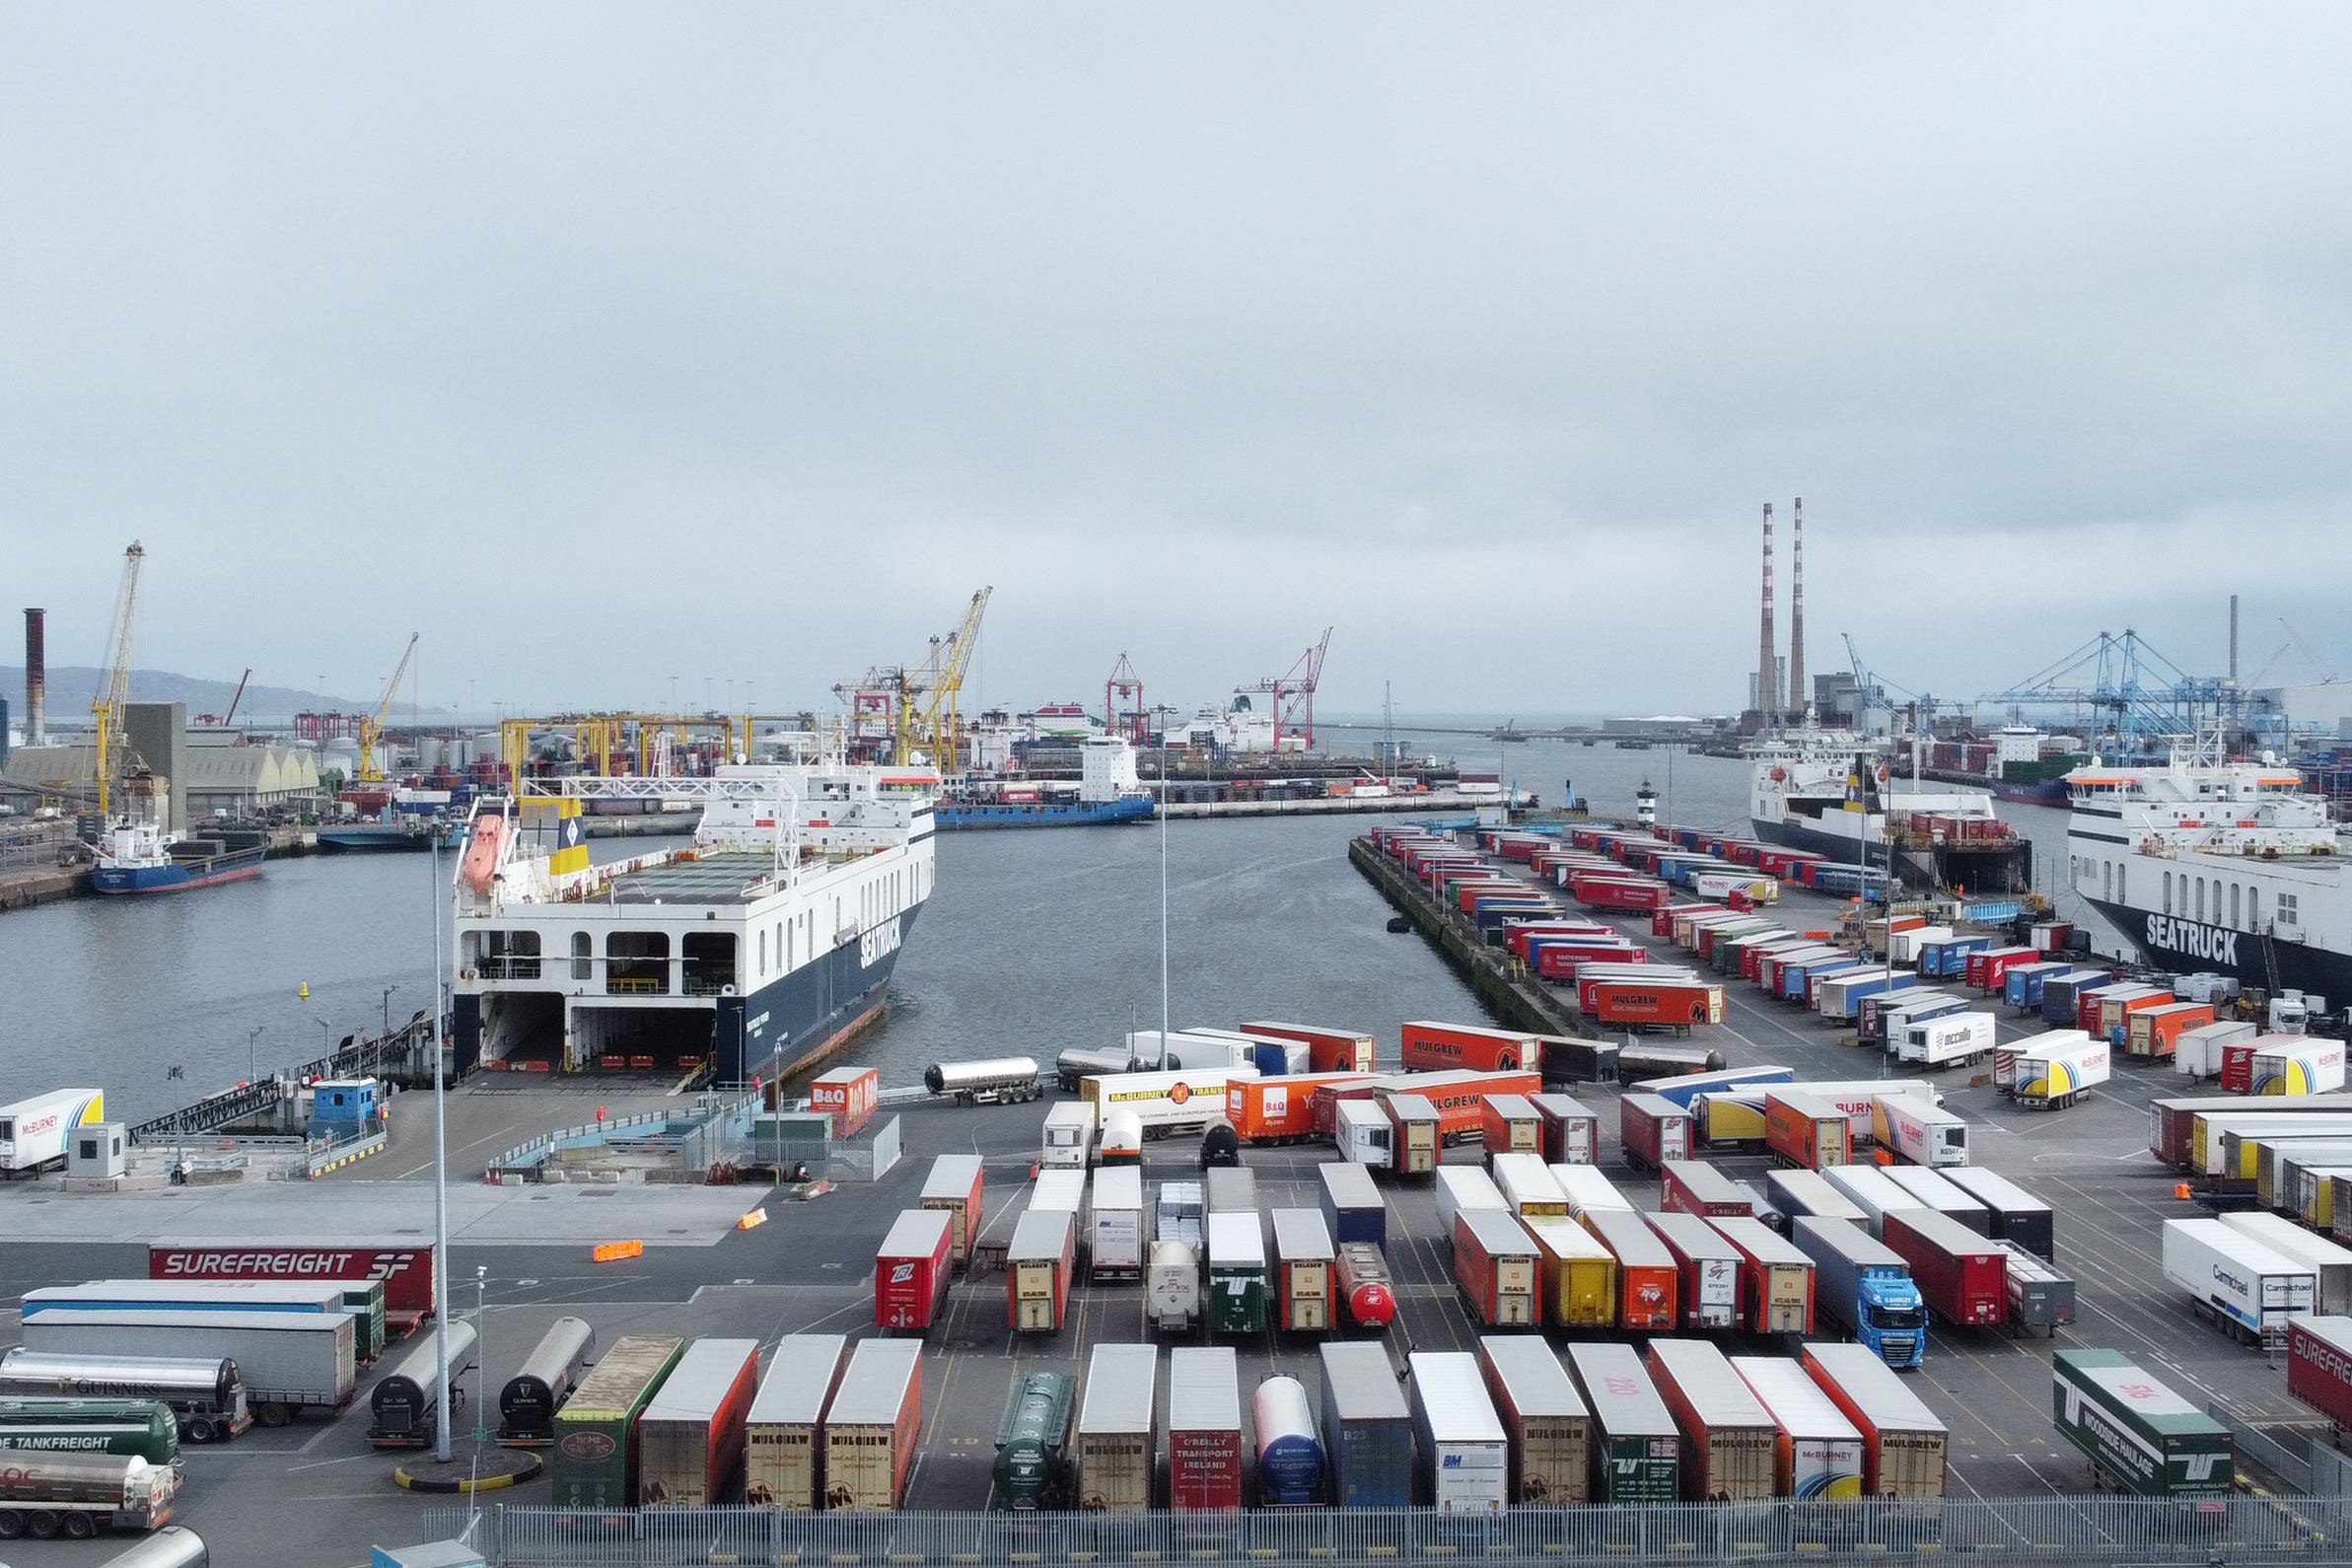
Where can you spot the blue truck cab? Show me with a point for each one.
(1866, 1285)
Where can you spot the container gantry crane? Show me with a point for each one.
(1293, 692)
(371, 726)
(927, 696)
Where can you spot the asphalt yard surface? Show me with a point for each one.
(315, 1495)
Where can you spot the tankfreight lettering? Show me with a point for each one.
(2213, 945)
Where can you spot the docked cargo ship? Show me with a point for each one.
(2206, 864)
(755, 950)
(1108, 791)
(140, 857)
(1830, 793)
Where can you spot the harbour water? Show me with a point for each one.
(1033, 942)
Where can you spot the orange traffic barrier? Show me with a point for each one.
(753, 1220)
(1885, 1156)
(614, 1251)
(2180, 1189)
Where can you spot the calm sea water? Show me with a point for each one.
(1035, 942)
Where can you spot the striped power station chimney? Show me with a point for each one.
(1797, 702)
(1767, 682)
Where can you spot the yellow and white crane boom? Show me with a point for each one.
(927, 716)
(370, 724)
(106, 709)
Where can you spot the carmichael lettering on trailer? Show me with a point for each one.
(2171, 934)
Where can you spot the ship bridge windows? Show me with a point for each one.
(637, 963)
(708, 969)
(502, 954)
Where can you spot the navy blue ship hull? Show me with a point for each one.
(1042, 814)
(2191, 947)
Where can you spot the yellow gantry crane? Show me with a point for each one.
(106, 709)
(370, 724)
(927, 693)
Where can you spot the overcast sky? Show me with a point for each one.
(603, 344)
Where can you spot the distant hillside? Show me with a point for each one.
(72, 688)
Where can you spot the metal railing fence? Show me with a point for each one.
(2095, 1528)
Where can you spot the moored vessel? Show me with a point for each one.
(1108, 791)
(1830, 793)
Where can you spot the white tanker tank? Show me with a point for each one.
(1000, 1080)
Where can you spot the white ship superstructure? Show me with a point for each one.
(1830, 792)
(2213, 865)
(756, 950)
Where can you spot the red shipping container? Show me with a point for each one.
(850, 1095)
(1664, 1001)
(1498, 1268)
(2237, 1074)
(1654, 1130)
(1508, 1124)
(910, 1270)
(1277, 1109)
(406, 1271)
(1204, 1429)
(1696, 1188)
(1438, 1046)
(1963, 1277)
(1570, 1132)
(2320, 1366)
(1328, 1050)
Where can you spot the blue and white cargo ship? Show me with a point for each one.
(755, 950)
(1108, 791)
(142, 857)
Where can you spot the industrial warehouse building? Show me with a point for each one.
(214, 775)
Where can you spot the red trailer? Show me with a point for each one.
(1661, 918)
(1508, 1124)
(1963, 1277)
(1518, 933)
(1559, 961)
(406, 1271)
(1204, 1429)
(1460, 1099)
(849, 1095)
(2319, 1365)
(2238, 1072)
(1986, 966)
(1432, 1046)
(1328, 1050)
(910, 1270)
(1807, 1130)
(1497, 1266)
(1649, 1275)
(1696, 1188)
(1654, 1129)
(1622, 893)
(1666, 1000)
(1364, 1286)
(1569, 1131)
(1037, 1267)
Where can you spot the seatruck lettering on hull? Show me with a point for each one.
(2171, 934)
(879, 943)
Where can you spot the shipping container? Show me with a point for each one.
(1497, 1268)
(2018, 1216)
(407, 1272)
(1924, 1134)
(1728, 1438)
(1805, 1130)
(595, 1463)
(2320, 1366)
(690, 1436)
(1776, 1278)
(1352, 1205)
(1039, 1263)
(1508, 1124)
(910, 1270)
(783, 1454)
(1904, 1446)
(1865, 1285)
(1693, 1187)
(849, 1095)
(1576, 1274)
(1367, 1426)
(1204, 1429)
(1637, 1447)
(1118, 1444)
(874, 1426)
(1962, 1276)
(289, 1362)
(1547, 1428)
(1329, 1050)
(1569, 1131)
(2148, 1439)
(1796, 1193)
(1236, 1288)
(1707, 1270)
(1653, 1130)
(1464, 1453)
(1303, 1258)
(2330, 1265)
(1817, 1451)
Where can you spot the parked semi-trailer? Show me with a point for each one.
(290, 1362)
(1169, 1103)
(910, 1270)
(1465, 1186)
(1118, 1445)
(1434, 1047)
(34, 1132)
(1728, 1435)
(1588, 1189)
(1415, 1131)
(1568, 1130)
(1576, 1274)
(2320, 1366)
(1204, 1429)
(690, 1434)
(77, 1495)
(1945, 1039)
(2018, 1216)
(1328, 1050)
(1039, 1263)
(1805, 1130)
(1776, 1278)
(1464, 1453)
(1509, 1122)
(2173, 1124)
(1924, 1134)
(873, 1426)
(954, 1183)
(1530, 1189)
(1549, 1428)
(1277, 1111)
(1172, 1286)
(1793, 1191)
(1873, 1191)
(527, 1401)
(784, 1434)
(2197, 1051)
(1291, 1463)
(404, 1405)
(1114, 1223)
(406, 1272)
(206, 1398)
(1637, 1448)
(2040, 1299)
(1816, 1450)
(1962, 1276)
(1032, 1440)
(2236, 1279)
(1933, 1189)
(1069, 1137)
(1865, 1285)
(1684, 1089)
(1368, 1427)
(1363, 1286)
(1649, 1276)
(1236, 1292)
(1904, 1447)
(1653, 1130)
(2137, 1431)
(595, 1464)
(2052, 1076)
(362, 1300)
(146, 1428)
(1497, 1268)
(1693, 1187)
(2330, 1265)
(1352, 1205)
(1707, 1270)
(2297, 1066)
(1303, 1258)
